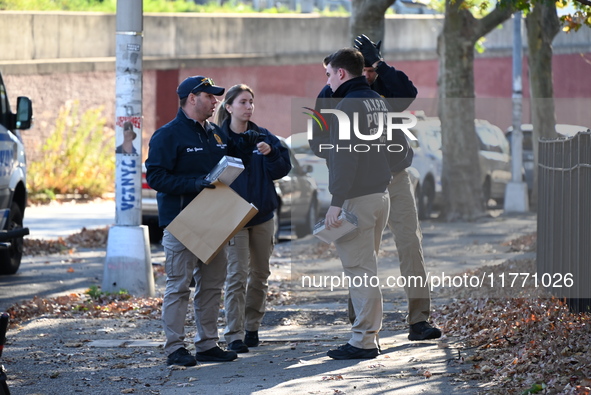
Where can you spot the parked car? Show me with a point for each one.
(495, 161)
(427, 160)
(298, 201)
(13, 177)
(150, 210)
(298, 142)
(298, 197)
(563, 130)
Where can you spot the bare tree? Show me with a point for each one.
(461, 177)
(464, 191)
(542, 26)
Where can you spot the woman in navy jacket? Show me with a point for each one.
(250, 250)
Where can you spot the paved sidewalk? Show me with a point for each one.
(109, 356)
(126, 357)
(54, 220)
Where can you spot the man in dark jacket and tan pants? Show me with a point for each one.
(180, 156)
(403, 221)
(357, 183)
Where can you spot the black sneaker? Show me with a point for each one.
(251, 339)
(238, 346)
(181, 357)
(216, 354)
(423, 331)
(351, 352)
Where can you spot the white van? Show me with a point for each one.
(13, 180)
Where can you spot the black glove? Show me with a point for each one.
(253, 137)
(201, 183)
(369, 50)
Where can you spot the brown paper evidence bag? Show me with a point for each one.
(211, 220)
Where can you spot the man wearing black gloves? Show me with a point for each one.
(403, 220)
(181, 154)
(384, 79)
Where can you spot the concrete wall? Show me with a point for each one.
(53, 57)
(37, 37)
(172, 40)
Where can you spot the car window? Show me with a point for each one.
(299, 144)
(414, 143)
(432, 138)
(4, 105)
(528, 143)
(486, 138)
(501, 143)
(428, 135)
(492, 139)
(295, 165)
(302, 150)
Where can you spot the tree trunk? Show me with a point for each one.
(367, 17)
(542, 26)
(461, 176)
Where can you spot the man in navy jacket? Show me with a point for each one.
(403, 220)
(181, 154)
(358, 180)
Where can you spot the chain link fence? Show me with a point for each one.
(564, 219)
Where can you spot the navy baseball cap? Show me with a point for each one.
(198, 83)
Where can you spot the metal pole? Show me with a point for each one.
(516, 196)
(128, 112)
(517, 136)
(128, 261)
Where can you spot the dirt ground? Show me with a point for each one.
(71, 352)
(449, 249)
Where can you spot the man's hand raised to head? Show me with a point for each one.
(369, 50)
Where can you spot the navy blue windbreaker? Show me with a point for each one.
(255, 183)
(180, 153)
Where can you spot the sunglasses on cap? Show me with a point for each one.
(205, 82)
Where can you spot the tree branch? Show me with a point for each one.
(501, 13)
(374, 6)
(584, 2)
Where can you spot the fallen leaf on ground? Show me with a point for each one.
(334, 377)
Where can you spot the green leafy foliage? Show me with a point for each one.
(58, 5)
(96, 293)
(575, 13)
(78, 157)
(110, 6)
(574, 21)
(534, 389)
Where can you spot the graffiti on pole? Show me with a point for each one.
(128, 192)
(128, 128)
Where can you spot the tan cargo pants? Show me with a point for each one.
(403, 222)
(181, 265)
(358, 252)
(246, 283)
